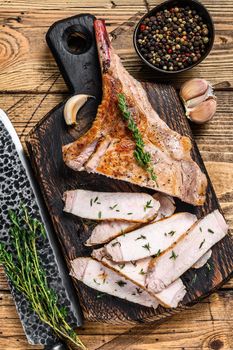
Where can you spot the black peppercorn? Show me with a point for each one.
(173, 38)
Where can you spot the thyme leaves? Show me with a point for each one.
(173, 256)
(140, 237)
(146, 246)
(201, 243)
(121, 283)
(148, 205)
(142, 157)
(28, 276)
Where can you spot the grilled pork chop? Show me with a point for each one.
(108, 148)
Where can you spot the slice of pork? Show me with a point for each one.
(190, 248)
(167, 205)
(135, 207)
(106, 280)
(152, 239)
(108, 230)
(136, 272)
(203, 260)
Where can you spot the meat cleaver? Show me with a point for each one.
(18, 185)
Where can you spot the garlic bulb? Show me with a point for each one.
(72, 107)
(199, 100)
(203, 112)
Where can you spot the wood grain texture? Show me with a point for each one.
(181, 331)
(23, 32)
(206, 324)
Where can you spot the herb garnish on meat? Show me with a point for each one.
(142, 157)
(173, 256)
(157, 254)
(113, 207)
(121, 266)
(146, 246)
(148, 205)
(140, 237)
(121, 283)
(96, 282)
(115, 243)
(201, 243)
(139, 291)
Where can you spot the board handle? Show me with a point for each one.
(72, 42)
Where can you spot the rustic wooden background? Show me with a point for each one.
(30, 85)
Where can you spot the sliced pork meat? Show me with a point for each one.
(203, 260)
(172, 295)
(108, 230)
(152, 239)
(136, 272)
(113, 146)
(135, 207)
(132, 269)
(106, 280)
(190, 248)
(167, 205)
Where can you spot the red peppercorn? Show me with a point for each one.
(173, 38)
(142, 27)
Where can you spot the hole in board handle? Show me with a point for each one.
(77, 39)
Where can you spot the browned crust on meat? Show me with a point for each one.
(119, 162)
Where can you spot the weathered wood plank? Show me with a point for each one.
(63, 4)
(19, 343)
(26, 62)
(208, 321)
(3, 282)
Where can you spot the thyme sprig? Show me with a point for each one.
(26, 273)
(143, 158)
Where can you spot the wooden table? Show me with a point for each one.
(30, 85)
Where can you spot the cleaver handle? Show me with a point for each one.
(58, 346)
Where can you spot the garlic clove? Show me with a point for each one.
(203, 112)
(199, 99)
(193, 88)
(72, 106)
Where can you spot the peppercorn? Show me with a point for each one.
(173, 38)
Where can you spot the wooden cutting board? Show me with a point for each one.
(76, 56)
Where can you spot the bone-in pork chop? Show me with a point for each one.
(108, 148)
